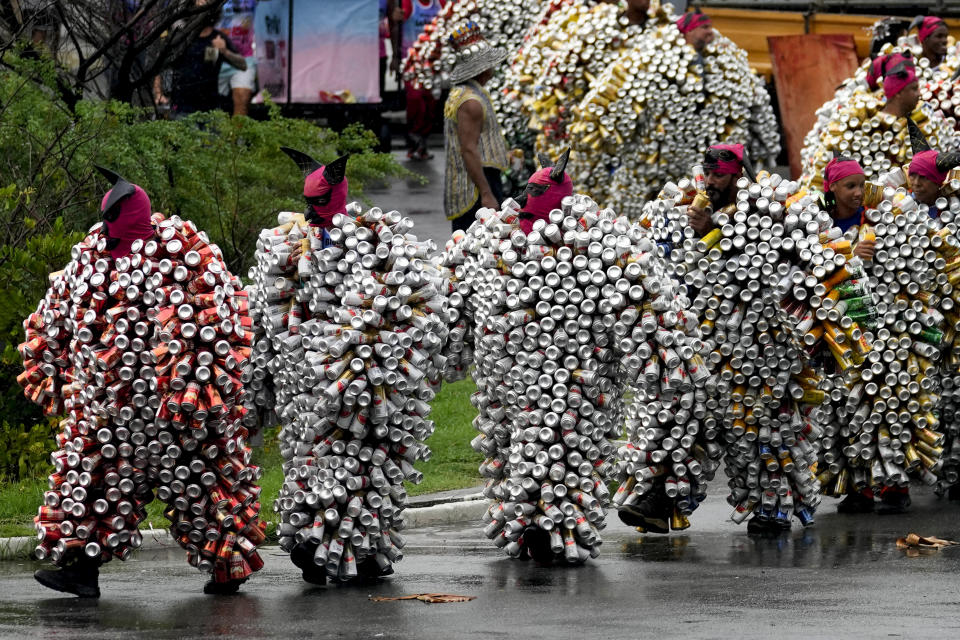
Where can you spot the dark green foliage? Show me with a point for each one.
(226, 174)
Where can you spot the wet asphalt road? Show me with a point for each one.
(420, 201)
(843, 578)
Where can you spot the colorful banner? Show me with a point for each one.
(236, 20)
(335, 51)
(271, 32)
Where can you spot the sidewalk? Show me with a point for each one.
(421, 202)
(430, 509)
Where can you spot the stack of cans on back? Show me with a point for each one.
(557, 64)
(943, 94)
(657, 107)
(144, 356)
(561, 318)
(430, 60)
(357, 361)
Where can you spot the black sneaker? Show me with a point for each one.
(893, 502)
(856, 503)
(536, 542)
(651, 515)
(81, 578)
(227, 588)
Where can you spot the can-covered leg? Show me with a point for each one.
(143, 351)
(352, 377)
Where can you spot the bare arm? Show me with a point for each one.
(469, 127)
(158, 96)
(233, 59)
(395, 20)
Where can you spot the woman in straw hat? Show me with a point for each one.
(476, 150)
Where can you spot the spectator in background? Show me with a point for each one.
(195, 85)
(239, 84)
(476, 151)
(390, 18)
(421, 103)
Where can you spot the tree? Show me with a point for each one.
(105, 48)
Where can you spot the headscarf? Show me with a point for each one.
(712, 161)
(838, 169)
(875, 72)
(690, 21)
(928, 26)
(131, 223)
(539, 201)
(925, 163)
(898, 72)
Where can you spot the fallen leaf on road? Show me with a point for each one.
(915, 544)
(426, 597)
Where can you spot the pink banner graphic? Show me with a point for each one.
(335, 51)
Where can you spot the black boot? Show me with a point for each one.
(227, 588)
(79, 577)
(651, 515)
(302, 557)
(536, 542)
(893, 502)
(856, 503)
(759, 526)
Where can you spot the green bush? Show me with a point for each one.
(226, 174)
(25, 451)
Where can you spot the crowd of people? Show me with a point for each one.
(799, 334)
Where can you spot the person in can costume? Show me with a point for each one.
(858, 122)
(931, 185)
(560, 300)
(139, 344)
(764, 282)
(933, 35)
(882, 430)
(352, 316)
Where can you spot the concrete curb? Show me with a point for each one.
(427, 512)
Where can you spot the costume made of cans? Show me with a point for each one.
(941, 168)
(558, 319)
(852, 123)
(759, 281)
(555, 67)
(653, 111)
(355, 323)
(880, 422)
(139, 345)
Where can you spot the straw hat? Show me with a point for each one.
(474, 54)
